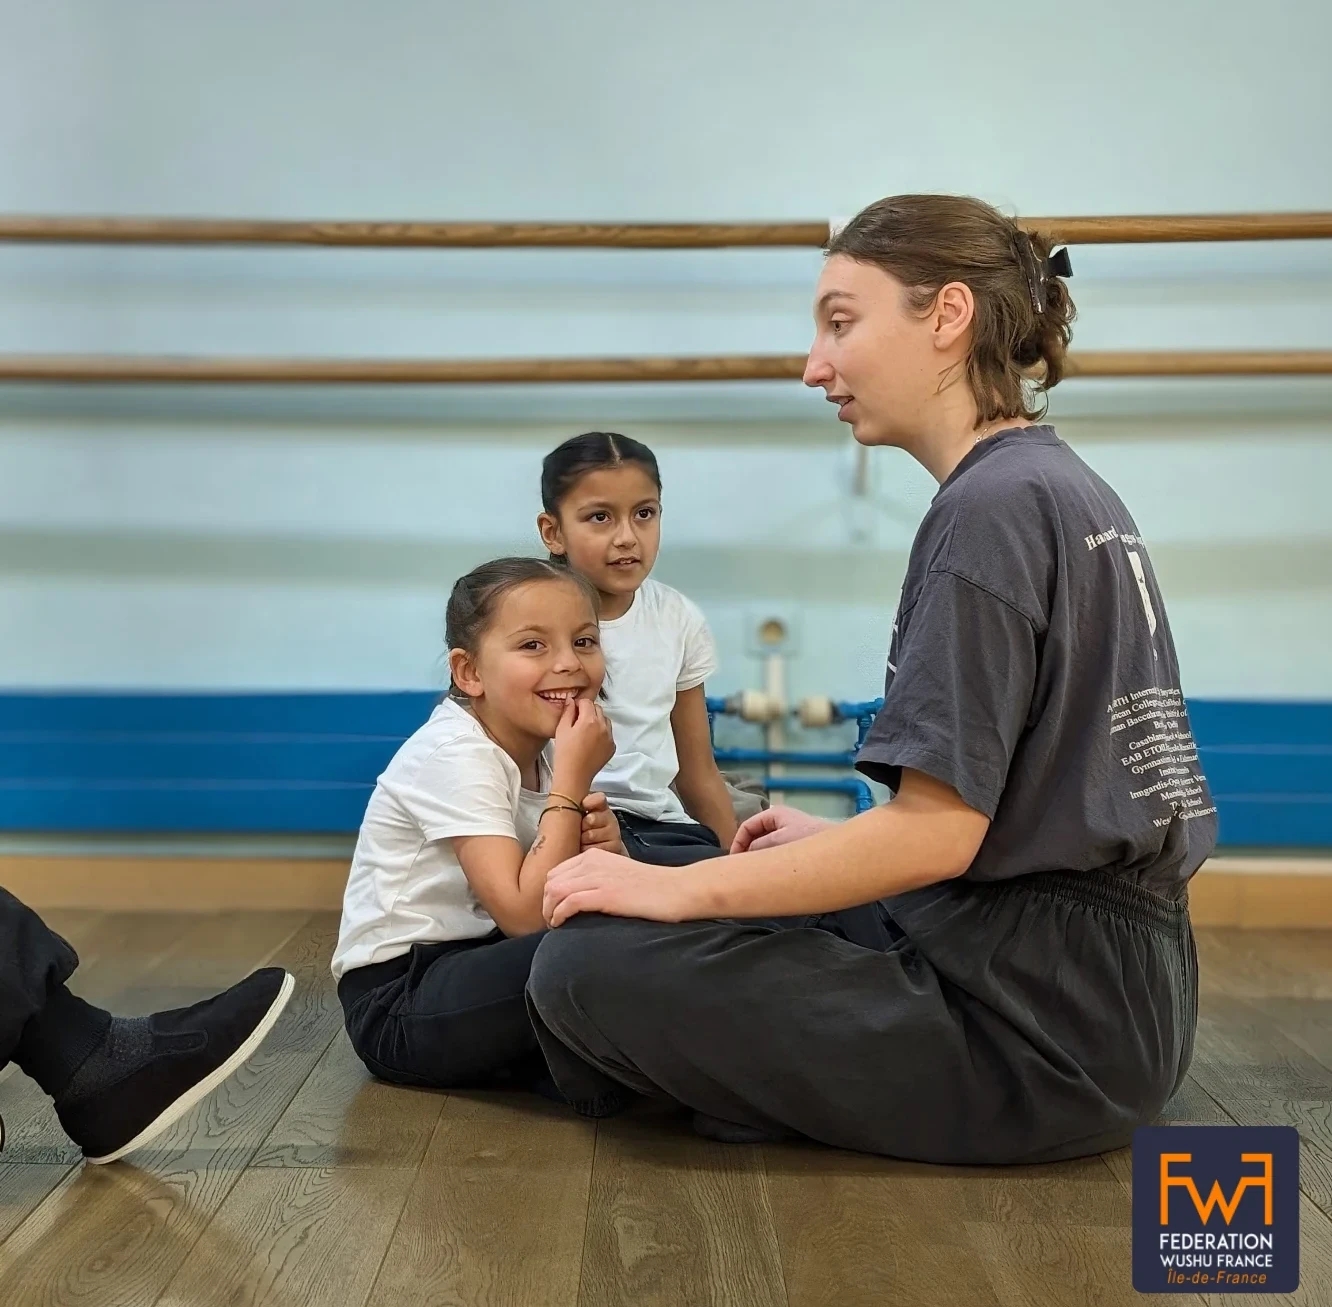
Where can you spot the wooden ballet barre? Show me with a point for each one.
(1109, 230)
(358, 371)
(172, 369)
(1200, 363)
(409, 235)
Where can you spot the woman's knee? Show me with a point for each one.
(585, 951)
(590, 964)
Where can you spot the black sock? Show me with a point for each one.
(59, 1040)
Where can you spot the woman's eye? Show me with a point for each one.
(647, 514)
(599, 518)
(531, 645)
(836, 325)
(587, 642)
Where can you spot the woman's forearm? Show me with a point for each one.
(886, 851)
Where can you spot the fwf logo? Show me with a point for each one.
(1263, 1181)
(1216, 1208)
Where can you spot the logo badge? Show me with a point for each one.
(1216, 1209)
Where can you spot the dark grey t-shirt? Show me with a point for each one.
(1033, 670)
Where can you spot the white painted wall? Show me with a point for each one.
(307, 538)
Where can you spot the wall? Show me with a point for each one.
(306, 538)
(317, 557)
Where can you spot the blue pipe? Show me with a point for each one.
(861, 711)
(854, 789)
(846, 709)
(849, 785)
(795, 757)
(849, 710)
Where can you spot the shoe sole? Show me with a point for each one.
(197, 1092)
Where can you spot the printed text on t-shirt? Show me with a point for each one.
(1161, 750)
(1104, 538)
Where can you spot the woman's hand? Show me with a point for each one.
(597, 881)
(601, 830)
(774, 826)
(583, 745)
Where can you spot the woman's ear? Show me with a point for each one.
(954, 312)
(551, 535)
(462, 672)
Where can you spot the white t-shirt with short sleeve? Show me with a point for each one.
(659, 648)
(406, 886)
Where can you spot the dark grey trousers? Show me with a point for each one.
(1022, 1022)
(34, 960)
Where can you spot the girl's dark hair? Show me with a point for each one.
(567, 464)
(1023, 310)
(476, 596)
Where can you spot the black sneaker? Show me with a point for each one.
(171, 1060)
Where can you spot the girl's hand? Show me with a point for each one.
(774, 826)
(597, 881)
(583, 743)
(601, 830)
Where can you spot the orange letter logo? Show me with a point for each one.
(1216, 1198)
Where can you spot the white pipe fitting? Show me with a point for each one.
(758, 706)
(815, 712)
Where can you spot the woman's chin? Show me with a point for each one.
(871, 435)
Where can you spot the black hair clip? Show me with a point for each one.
(1059, 264)
(1039, 271)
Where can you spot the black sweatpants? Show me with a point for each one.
(667, 843)
(1022, 1022)
(449, 1015)
(34, 960)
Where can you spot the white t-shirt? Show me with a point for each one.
(659, 648)
(449, 779)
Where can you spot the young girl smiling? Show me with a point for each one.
(442, 910)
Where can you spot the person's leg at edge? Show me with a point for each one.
(118, 1082)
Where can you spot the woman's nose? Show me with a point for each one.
(818, 371)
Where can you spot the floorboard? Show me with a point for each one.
(342, 1116)
(497, 1212)
(678, 1219)
(305, 1181)
(309, 1235)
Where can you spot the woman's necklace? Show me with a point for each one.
(992, 429)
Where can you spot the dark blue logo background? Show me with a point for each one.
(1230, 1196)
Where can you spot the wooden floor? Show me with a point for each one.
(302, 1181)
